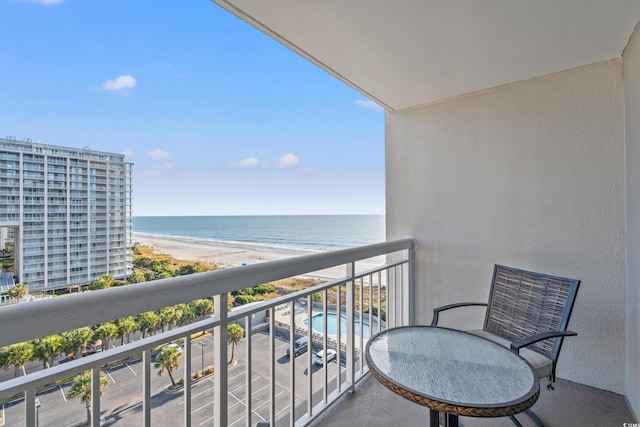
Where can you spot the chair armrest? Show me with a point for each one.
(517, 345)
(437, 310)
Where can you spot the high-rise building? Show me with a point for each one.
(67, 211)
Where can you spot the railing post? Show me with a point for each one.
(310, 355)
(30, 407)
(95, 397)
(247, 378)
(391, 298)
(292, 363)
(351, 378)
(146, 388)
(220, 363)
(187, 380)
(272, 367)
(325, 392)
(411, 256)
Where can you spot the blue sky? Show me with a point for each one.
(217, 118)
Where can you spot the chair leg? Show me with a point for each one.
(515, 421)
(531, 415)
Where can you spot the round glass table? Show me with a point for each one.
(452, 372)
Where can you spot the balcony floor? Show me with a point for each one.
(570, 404)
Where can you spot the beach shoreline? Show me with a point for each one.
(231, 254)
(224, 255)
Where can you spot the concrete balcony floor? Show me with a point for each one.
(570, 404)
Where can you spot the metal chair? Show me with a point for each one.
(527, 312)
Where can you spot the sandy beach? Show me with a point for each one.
(232, 255)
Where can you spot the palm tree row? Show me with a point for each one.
(77, 341)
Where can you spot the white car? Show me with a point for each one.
(319, 359)
(176, 346)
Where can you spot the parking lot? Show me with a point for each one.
(121, 403)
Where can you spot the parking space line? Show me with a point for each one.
(63, 396)
(268, 401)
(237, 388)
(262, 388)
(282, 410)
(236, 376)
(109, 374)
(196, 395)
(134, 372)
(206, 421)
(202, 407)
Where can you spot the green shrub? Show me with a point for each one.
(244, 299)
(374, 311)
(265, 288)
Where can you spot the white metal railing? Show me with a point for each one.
(388, 286)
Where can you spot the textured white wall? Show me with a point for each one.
(530, 175)
(631, 73)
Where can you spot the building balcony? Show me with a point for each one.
(570, 404)
(276, 382)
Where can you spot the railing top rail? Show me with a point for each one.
(25, 321)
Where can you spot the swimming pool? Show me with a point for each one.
(317, 324)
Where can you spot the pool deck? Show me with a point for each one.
(283, 316)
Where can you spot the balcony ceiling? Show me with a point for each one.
(408, 53)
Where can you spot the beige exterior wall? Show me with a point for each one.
(530, 175)
(631, 72)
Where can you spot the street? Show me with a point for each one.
(121, 403)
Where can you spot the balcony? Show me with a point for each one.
(570, 404)
(276, 382)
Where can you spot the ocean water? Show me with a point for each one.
(293, 232)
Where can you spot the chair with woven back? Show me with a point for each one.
(529, 313)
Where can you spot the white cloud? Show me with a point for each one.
(288, 160)
(248, 162)
(120, 83)
(158, 154)
(367, 103)
(157, 168)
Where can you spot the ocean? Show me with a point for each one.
(283, 232)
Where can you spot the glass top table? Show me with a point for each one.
(453, 372)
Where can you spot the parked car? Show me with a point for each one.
(299, 347)
(319, 359)
(176, 346)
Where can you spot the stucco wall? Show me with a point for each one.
(529, 175)
(631, 73)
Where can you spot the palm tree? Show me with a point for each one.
(186, 314)
(47, 349)
(168, 359)
(18, 291)
(106, 332)
(148, 322)
(235, 333)
(17, 355)
(103, 282)
(136, 277)
(77, 340)
(169, 316)
(126, 326)
(82, 388)
(201, 307)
